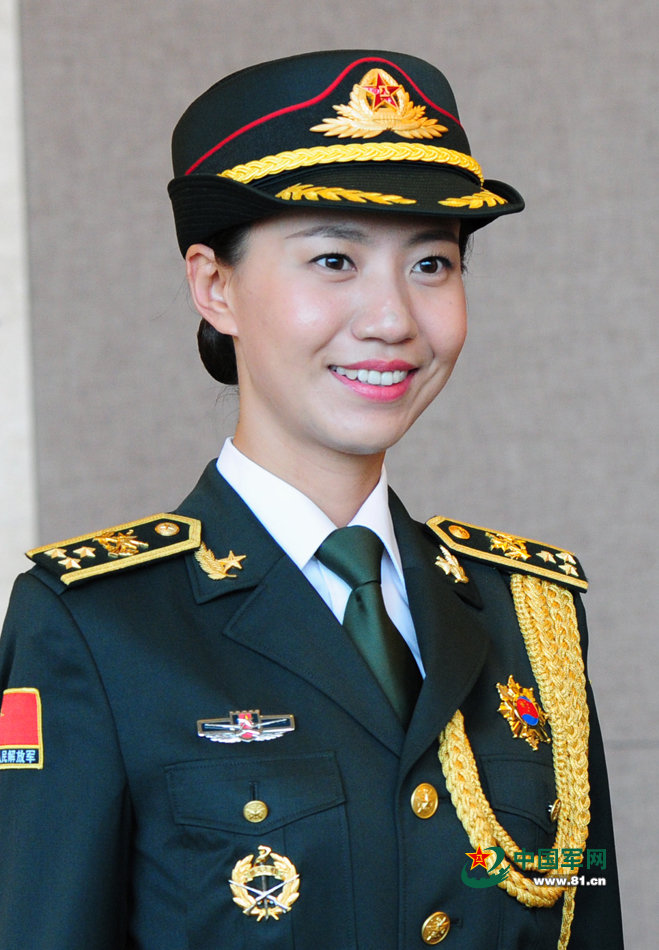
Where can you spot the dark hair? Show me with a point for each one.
(216, 349)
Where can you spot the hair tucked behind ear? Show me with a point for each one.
(216, 349)
(217, 354)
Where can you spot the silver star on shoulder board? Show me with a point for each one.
(451, 566)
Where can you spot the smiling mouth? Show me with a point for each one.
(373, 376)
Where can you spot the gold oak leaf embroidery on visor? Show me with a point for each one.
(477, 200)
(314, 193)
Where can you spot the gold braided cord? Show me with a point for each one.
(548, 623)
(353, 152)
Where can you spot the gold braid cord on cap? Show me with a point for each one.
(354, 152)
(548, 622)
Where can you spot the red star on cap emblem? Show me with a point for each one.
(478, 857)
(382, 93)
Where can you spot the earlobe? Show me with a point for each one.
(208, 279)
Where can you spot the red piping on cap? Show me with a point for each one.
(318, 98)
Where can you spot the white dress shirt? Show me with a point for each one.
(300, 527)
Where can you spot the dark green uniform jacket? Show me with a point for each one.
(128, 835)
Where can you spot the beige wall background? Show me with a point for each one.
(548, 428)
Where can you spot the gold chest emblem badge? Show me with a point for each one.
(524, 714)
(255, 893)
(380, 104)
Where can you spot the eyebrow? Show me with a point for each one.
(348, 232)
(434, 234)
(344, 231)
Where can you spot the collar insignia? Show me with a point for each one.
(380, 104)
(218, 568)
(524, 714)
(247, 725)
(265, 901)
(451, 566)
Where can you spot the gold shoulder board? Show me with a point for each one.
(521, 555)
(113, 549)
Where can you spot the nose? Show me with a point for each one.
(384, 312)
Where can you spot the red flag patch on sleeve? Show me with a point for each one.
(21, 741)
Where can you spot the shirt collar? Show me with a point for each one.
(293, 520)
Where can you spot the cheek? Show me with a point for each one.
(449, 333)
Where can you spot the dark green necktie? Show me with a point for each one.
(355, 555)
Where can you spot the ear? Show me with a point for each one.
(208, 280)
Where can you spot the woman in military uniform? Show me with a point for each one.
(285, 714)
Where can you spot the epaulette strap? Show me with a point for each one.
(123, 546)
(521, 555)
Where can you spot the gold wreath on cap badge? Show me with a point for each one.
(380, 104)
(265, 901)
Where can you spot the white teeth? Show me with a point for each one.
(372, 376)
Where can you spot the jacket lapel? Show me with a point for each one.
(281, 616)
(451, 637)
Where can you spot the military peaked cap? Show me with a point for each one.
(341, 129)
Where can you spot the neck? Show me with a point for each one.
(338, 483)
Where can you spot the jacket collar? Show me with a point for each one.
(448, 625)
(228, 525)
(282, 617)
(282, 605)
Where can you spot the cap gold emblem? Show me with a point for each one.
(380, 104)
(263, 902)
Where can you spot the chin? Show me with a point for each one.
(368, 443)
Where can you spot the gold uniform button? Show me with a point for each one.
(555, 810)
(424, 800)
(255, 811)
(459, 532)
(435, 928)
(167, 529)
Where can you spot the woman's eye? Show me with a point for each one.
(337, 262)
(432, 265)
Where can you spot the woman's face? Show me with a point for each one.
(345, 326)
